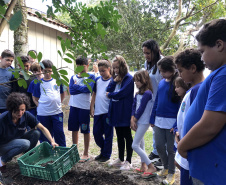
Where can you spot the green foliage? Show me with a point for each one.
(15, 21)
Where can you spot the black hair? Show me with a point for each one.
(47, 63)
(15, 99)
(188, 57)
(167, 64)
(24, 59)
(211, 32)
(81, 60)
(155, 50)
(7, 53)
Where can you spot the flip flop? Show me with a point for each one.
(84, 160)
(139, 170)
(149, 175)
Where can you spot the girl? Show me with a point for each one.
(152, 55)
(101, 124)
(163, 117)
(120, 91)
(181, 87)
(140, 120)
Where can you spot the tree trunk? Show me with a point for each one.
(21, 34)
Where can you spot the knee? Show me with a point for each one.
(25, 145)
(134, 146)
(36, 133)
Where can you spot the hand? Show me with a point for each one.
(117, 79)
(75, 82)
(171, 130)
(92, 112)
(177, 138)
(54, 144)
(133, 125)
(152, 125)
(107, 94)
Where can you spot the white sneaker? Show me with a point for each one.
(126, 166)
(116, 163)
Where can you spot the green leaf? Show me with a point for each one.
(79, 69)
(39, 56)
(85, 75)
(65, 78)
(58, 82)
(32, 54)
(16, 20)
(38, 14)
(26, 76)
(59, 53)
(68, 43)
(15, 69)
(88, 86)
(63, 46)
(41, 64)
(36, 81)
(67, 60)
(55, 72)
(22, 83)
(16, 74)
(90, 80)
(71, 56)
(63, 72)
(20, 63)
(64, 82)
(44, 19)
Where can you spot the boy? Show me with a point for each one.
(190, 67)
(204, 143)
(17, 88)
(48, 97)
(101, 125)
(80, 106)
(6, 58)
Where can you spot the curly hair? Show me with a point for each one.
(211, 32)
(143, 77)
(188, 57)
(15, 99)
(123, 68)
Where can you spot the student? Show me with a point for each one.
(101, 122)
(80, 106)
(14, 139)
(152, 55)
(48, 97)
(181, 87)
(120, 91)
(6, 76)
(191, 69)
(142, 104)
(32, 60)
(163, 117)
(204, 141)
(17, 88)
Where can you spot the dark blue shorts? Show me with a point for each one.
(79, 118)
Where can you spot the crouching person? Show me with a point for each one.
(14, 139)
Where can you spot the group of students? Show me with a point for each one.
(186, 111)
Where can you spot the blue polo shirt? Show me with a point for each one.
(10, 131)
(208, 162)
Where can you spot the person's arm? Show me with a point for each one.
(202, 132)
(92, 104)
(153, 114)
(35, 100)
(45, 131)
(111, 86)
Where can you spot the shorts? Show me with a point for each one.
(79, 118)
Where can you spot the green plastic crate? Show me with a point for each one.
(44, 162)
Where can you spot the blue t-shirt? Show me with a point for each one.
(208, 162)
(10, 131)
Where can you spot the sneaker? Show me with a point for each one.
(103, 159)
(153, 157)
(3, 169)
(158, 164)
(97, 158)
(170, 179)
(1, 179)
(116, 163)
(163, 172)
(126, 166)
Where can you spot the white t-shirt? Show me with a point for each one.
(49, 102)
(101, 101)
(185, 105)
(81, 100)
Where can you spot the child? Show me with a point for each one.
(48, 97)
(37, 72)
(181, 87)
(120, 91)
(80, 106)
(141, 113)
(17, 88)
(191, 69)
(101, 122)
(6, 76)
(163, 117)
(204, 142)
(32, 60)
(152, 54)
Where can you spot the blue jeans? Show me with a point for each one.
(17, 146)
